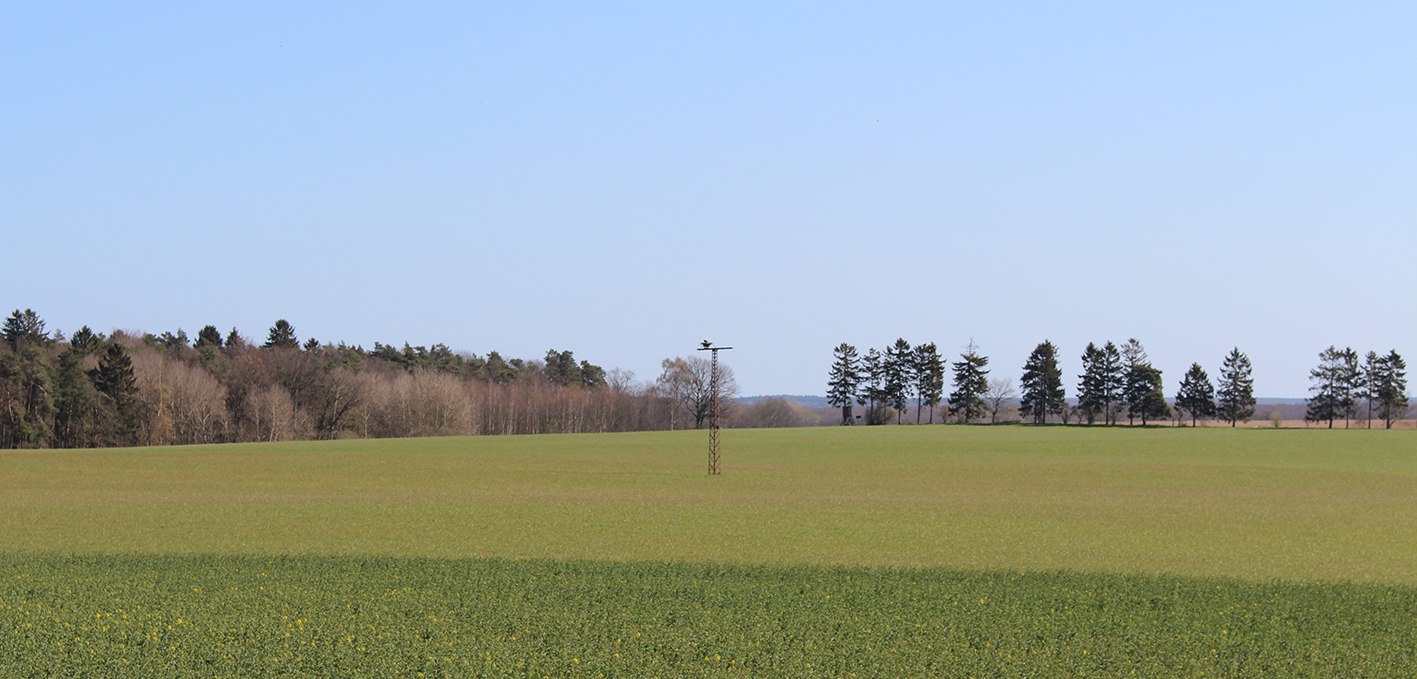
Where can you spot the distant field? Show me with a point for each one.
(1060, 550)
(1310, 505)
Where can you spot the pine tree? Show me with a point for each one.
(900, 376)
(1196, 396)
(26, 394)
(844, 380)
(1114, 381)
(234, 340)
(1092, 384)
(1042, 384)
(1150, 398)
(24, 328)
(1392, 390)
(79, 411)
(1332, 386)
(1137, 380)
(209, 336)
(929, 378)
(1369, 379)
(282, 335)
(1236, 393)
(1350, 384)
(114, 379)
(84, 342)
(971, 381)
(873, 392)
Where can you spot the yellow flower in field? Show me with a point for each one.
(575, 661)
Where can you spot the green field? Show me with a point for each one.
(882, 551)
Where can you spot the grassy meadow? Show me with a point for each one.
(884, 551)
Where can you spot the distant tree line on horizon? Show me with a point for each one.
(91, 390)
(1115, 380)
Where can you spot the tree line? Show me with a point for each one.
(1116, 381)
(94, 390)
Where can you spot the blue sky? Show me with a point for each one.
(623, 180)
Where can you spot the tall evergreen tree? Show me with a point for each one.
(1197, 395)
(26, 394)
(282, 336)
(234, 340)
(1236, 392)
(845, 379)
(208, 336)
(1351, 384)
(900, 376)
(1370, 381)
(1114, 381)
(1138, 380)
(873, 386)
(24, 328)
(1092, 384)
(1042, 385)
(1391, 389)
(1333, 386)
(929, 378)
(971, 382)
(561, 368)
(592, 375)
(1150, 401)
(84, 342)
(79, 412)
(114, 379)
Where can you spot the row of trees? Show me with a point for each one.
(886, 381)
(1114, 380)
(1341, 383)
(1117, 378)
(92, 390)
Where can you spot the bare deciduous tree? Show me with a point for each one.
(1000, 390)
(687, 382)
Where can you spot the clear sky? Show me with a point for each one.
(623, 180)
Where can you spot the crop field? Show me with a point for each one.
(890, 551)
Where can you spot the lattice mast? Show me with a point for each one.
(714, 469)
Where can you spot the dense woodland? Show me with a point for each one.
(1117, 381)
(94, 390)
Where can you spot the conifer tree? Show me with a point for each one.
(873, 392)
(24, 328)
(26, 393)
(1197, 395)
(282, 336)
(1092, 385)
(1137, 380)
(1042, 384)
(114, 379)
(208, 336)
(84, 342)
(971, 382)
(1236, 392)
(1333, 386)
(234, 340)
(1350, 384)
(1150, 394)
(1391, 390)
(1114, 381)
(929, 378)
(899, 376)
(844, 380)
(79, 412)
